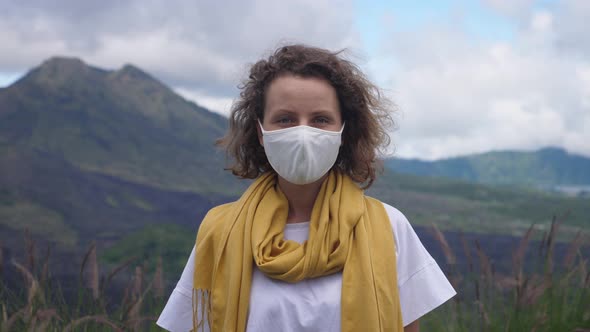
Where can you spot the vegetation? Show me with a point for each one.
(541, 293)
(40, 302)
(169, 242)
(470, 207)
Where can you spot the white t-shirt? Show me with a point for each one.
(314, 304)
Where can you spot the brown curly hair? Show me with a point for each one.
(363, 108)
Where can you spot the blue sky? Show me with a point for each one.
(481, 22)
(467, 76)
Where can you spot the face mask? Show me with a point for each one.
(301, 154)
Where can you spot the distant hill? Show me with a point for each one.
(548, 167)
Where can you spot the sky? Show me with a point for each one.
(465, 76)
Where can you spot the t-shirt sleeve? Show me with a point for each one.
(177, 315)
(422, 284)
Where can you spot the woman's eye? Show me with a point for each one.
(284, 120)
(322, 120)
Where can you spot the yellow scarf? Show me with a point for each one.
(348, 232)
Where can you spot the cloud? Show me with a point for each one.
(459, 95)
(510, 8)
(198, 45)
(221, 105)
(571, 27)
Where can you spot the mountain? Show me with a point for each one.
(90, 154)
(548, 167)
(121, 123)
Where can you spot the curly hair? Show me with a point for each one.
(363, 108)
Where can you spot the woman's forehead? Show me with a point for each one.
(295, 92)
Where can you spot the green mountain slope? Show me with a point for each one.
(547, 167)
(70, 207)
(88, 154)
(122, 123)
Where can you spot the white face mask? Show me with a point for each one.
(301, 154)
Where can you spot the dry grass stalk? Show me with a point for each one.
(134, 319)
(45, 317)
(483, 313)
(519, 254)
(30, 250)
(440, 238)
(126, 301)
(85, 260)
(533, 290)
(93, 280)
(504, 282)
(159, 279)
(98, 319)
(45, 269)
(467, 251)
(137, 283)
(92, 277)
(584, 274)
(551, 238)
(572, 250)
(564, 281)
(137, 322)
(116, 270)
(7, 326)
(484, 262)
(1, 259)
(33, 289)
(4, 313)
(542, 244)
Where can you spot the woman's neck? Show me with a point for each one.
(301, 198)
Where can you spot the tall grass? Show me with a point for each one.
(40, 305)
(540, 294)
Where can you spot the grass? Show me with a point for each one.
(41, 304)
(543, 295)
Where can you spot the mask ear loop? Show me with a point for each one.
(260, 124)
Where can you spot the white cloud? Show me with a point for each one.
(462, 96)
(221, 105)
(201, 45)
(457, 94)
(511, 8)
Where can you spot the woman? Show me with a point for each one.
(304, 249)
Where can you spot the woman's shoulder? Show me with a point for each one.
(407, 242)
(396, 217)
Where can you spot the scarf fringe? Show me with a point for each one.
(201, 310)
